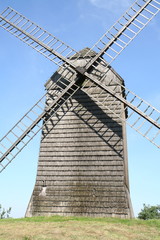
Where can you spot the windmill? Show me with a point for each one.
(89, 74)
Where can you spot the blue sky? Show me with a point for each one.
(79, 23)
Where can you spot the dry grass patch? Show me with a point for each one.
(63, 228)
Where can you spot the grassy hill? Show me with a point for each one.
(78, 228)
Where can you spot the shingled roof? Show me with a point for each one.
(85, 52)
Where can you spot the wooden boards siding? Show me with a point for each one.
(82, 163)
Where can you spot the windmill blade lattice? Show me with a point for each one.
(58, 52)
(22, 133)
(142, 116)
(31, 123)
(36, 37)
(111, 44)
(117, 38)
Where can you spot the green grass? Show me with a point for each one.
(129, 222)
(78, 228)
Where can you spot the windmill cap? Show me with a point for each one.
(88, 53)
(84, 53)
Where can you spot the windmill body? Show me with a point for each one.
(82, 167)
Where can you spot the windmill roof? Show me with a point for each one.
(88, 53)
(85, 52)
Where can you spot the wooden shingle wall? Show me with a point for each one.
(82, 168)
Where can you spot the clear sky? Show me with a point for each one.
(79, 23)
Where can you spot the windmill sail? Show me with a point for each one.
(19, 136)
(142, 116)
(31, 123)
(132, 22)
(118, 37)
(36, 37)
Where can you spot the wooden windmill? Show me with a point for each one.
(82, 168)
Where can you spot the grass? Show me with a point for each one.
(78, 228)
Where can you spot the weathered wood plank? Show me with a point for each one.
(79, 163)
(102, 158)
(72, 180)
(83, 209)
